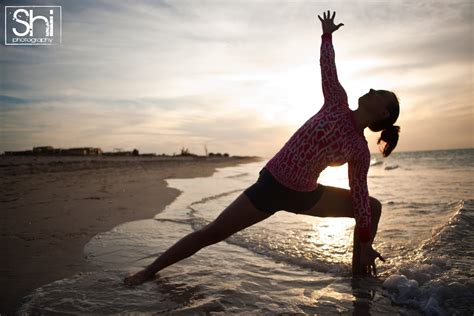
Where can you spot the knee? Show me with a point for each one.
(376, 207)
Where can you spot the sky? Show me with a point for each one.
(233, 76)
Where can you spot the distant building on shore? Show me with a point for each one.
(51, 151)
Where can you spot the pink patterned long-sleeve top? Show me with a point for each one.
(329, 138)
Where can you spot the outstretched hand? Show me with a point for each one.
(328, 23)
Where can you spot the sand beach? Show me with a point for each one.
(52, 206)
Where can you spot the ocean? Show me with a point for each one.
(292, 263)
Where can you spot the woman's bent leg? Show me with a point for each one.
(240, 214)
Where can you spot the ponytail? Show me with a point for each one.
(390, 137)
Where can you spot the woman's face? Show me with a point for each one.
(376, 101)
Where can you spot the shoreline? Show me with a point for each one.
(50, 211)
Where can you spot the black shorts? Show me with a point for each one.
(270, 196)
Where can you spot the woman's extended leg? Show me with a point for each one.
(239, 215)
(337, 202)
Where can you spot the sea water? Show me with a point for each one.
(293, 263)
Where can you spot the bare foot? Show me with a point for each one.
(137, 278)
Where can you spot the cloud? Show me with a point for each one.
(169, 73)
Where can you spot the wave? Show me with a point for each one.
(214, 197)
(375, 162)
(239, 175)
(439, 278)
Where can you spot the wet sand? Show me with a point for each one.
(51, 207)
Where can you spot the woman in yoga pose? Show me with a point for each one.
(331, 137)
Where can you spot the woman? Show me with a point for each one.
(332, 137)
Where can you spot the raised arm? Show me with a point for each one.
(333, 92)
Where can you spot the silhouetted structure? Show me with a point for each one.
(51, 151)
(185, 152)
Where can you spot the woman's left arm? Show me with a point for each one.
(363, 254)
(358, 170)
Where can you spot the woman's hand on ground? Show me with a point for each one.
(367, 259)
(328, 23)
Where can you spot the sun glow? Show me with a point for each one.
(288, 96)
(335, 176)
(301, 86)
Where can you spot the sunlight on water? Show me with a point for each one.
(334, 232)
(331, 237)
(334, 235)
